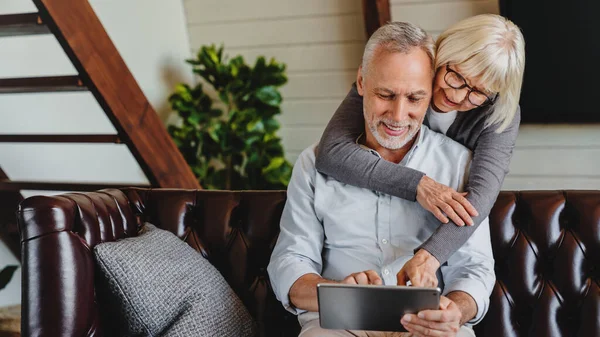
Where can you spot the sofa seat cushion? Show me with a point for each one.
(156, 285)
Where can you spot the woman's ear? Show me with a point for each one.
(359, 81)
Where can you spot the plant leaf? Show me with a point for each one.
(6, 275)
(269, 95)
(274, 164)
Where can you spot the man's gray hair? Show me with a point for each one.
(398, 37)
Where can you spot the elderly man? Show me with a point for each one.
(333, 232)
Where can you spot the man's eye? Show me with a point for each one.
(415, 100)
(386, 97)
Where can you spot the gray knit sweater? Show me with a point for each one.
(340, 157)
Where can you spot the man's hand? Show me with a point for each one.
(365, 277)
(303, 293)
(444, 322)
(419, 270)
(439, 199)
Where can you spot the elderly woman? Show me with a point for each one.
(478, 75)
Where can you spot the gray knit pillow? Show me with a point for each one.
(156, 285)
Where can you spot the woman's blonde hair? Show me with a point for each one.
(491, 48)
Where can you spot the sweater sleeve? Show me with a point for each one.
(491, 160)
(340, 157)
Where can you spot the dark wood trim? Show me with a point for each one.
(41, 84)
(60, 139)
(376, 13)
(9, 230)
(104, 72)
(22, 24)
(11, 185)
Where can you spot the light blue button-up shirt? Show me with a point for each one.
(334, 229)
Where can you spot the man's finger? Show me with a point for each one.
(426, 328)
(373, 277)
(444, 302)
(460, 210)
(460, 197)
(361, 278)
(439, 315)
(349, 280)
(419, 330)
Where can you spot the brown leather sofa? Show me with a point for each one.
(546, 245)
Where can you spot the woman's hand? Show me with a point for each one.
(420, 270)
(439, 199)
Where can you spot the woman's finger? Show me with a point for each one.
(460, 197)
(439, 215)
(432, 281)
(462, 213)
(451, 214)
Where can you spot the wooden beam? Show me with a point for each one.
(24, 138)
(12, 185)
(40, 84)
(376, 13)
(9, 230)
(104, 72)
(22, 24)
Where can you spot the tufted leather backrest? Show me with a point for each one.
(546, 245)
(547, 251)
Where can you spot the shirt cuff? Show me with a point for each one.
(286, 277)
(477, 291)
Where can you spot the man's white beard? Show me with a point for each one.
(391, 142)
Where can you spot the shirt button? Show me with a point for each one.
(386, 271)
(384, 241)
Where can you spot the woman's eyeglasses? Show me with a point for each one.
(457, 81)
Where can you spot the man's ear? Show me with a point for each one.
(359, 81)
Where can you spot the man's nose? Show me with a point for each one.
(400, 110)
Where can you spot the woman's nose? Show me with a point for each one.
(459, 95)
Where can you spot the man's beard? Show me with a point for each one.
(394, 142)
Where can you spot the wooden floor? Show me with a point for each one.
(10, 321)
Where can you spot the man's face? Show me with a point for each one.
(396, 93)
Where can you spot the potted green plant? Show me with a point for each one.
(230, 142)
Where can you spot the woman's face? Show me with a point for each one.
(445, 98)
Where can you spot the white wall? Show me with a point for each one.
(152, 38)
(322, 42)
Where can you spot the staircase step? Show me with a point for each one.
(12, 185)
(22, 24)
(41, 84)
(31, 138)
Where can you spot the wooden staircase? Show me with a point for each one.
(101, 71)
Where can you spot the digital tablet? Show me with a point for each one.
(371, 307)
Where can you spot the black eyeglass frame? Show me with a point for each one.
(488, 101)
